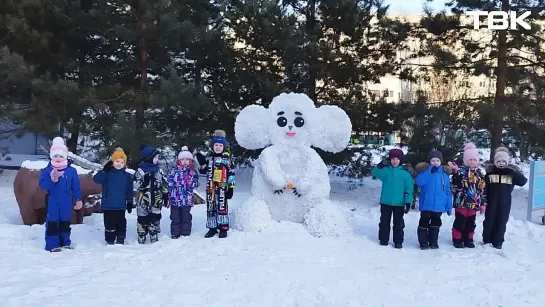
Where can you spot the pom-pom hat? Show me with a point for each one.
(147, 153)
(185, 154)
(502, 154)
(219, 137)
(58, 148)
(119, 154)
(435, 154)
(470, 152)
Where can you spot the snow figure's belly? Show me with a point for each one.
(291, 162)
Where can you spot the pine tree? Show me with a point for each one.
(511, 57)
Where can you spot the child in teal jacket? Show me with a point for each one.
(395, 198)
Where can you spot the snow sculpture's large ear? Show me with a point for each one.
(252, 127)
(332, 129)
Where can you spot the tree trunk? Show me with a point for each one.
(311, 29)
(501, 83)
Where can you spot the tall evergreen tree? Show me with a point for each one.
(510, 57)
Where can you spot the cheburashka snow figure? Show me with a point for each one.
(61, 182)
(220, 183)
(150, 183)
(500, 180)
(290, 180)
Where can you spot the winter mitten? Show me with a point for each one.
(229, 193)
(449, 212)
(483, 209)
(407, 208)
(55, 174)
(433, 169)
(454, 166)
(129, 206)
(79, 205)
(231, 180)
(108, 166)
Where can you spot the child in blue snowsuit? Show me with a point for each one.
(61, 182)
(117, 197)
(182, 180)
(435, 198)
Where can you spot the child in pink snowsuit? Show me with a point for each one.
(469, 197)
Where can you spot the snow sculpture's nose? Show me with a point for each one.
(289, 127)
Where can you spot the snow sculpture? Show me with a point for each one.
(290, 180)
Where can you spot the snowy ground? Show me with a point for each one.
(281, 267)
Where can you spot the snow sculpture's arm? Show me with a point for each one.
(314, 175)
(269, 164)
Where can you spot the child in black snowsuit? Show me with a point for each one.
(220, 183)
(116, 197)
(150, 182)
(501, 178)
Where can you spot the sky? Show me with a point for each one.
(413, 6)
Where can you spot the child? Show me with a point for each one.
(219, 187)
(500, 179)
(151, 185)
(116, 197)
(61, 182)
(181, 182)
(470, 197)
(395, 198)
(435, 198)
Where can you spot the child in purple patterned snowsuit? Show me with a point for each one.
(181, 182)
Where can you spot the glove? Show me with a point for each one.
(483, 209)
(407, 208)
(433, 169)
(108, 166)
(383, 164)
(449, 212)
(231, 180)
(229, 193)
(166, 202)
(129, 206)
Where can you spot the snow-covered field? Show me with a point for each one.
(283, 266)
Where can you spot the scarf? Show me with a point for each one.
(148, 167)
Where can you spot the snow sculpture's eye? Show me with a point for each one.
(299, 122)
(282, 121)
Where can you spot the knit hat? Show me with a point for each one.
(219, 137)
(502, 154)
(185, 154)
(147, 153)
(119, 154)
(470, 152)
(396, 153)
(58, 148)
(435, 154)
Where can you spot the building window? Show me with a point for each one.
(391, 94)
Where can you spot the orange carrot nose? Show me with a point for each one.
(289, 186)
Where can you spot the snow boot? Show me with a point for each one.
(433, 237)
(469, 244)
(422, 234)
(110, 242)
(141, 239)
(211, 232)
(498, 246)
(120, 241)
(458, 244)
(56, 250)
(398, 245)
(223, 234)
(384, 243)
(175, 237)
